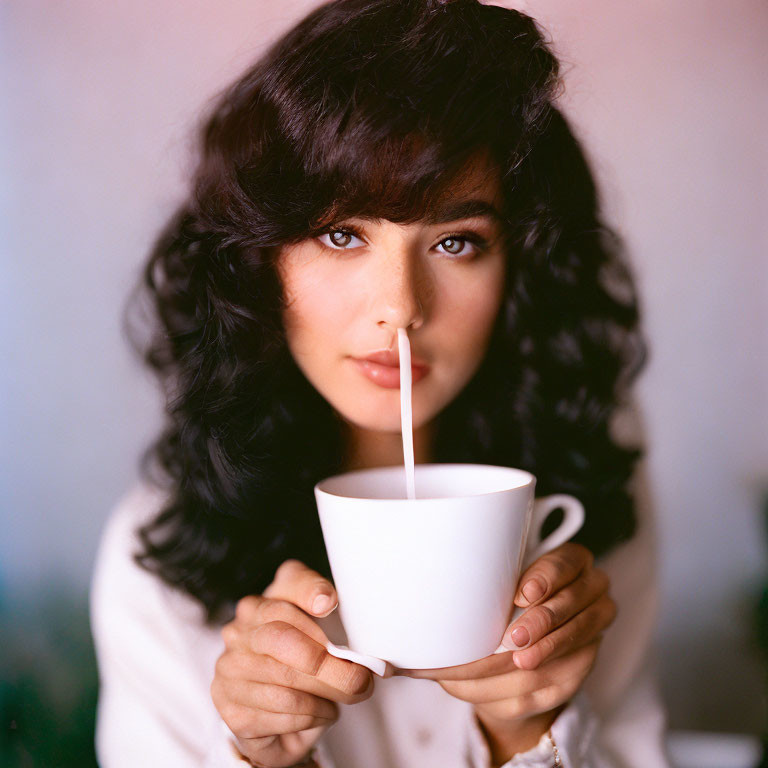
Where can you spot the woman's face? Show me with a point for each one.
(350, 289)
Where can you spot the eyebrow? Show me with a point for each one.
(464, 209)
(456, 210)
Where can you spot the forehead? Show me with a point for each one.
(475, 190)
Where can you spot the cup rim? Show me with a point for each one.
(530, 480)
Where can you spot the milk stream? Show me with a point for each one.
(406, 412)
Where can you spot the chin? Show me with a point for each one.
(375, 422)
(382, 420)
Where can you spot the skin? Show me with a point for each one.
(395, 276)
(275, 685)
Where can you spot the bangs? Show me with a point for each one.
(387, 153)
(380, 110)
(402, 180)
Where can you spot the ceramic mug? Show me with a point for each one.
(430, 582)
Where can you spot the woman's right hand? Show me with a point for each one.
(275, 686)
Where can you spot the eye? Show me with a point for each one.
(339, 239)
(456, 245)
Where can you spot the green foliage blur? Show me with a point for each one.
(761, 629)
(48, 682)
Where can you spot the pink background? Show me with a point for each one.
(670, 97)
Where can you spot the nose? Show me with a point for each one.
(400, 292)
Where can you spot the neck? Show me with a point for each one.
(369, 448)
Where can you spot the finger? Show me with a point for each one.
(273, 750)
(248, 723)
(302, 586)
(255, 610)
(565, 677)
(273, 671)
(530, 628)
(487, 667)
(542, 619)
(280, 699)
(519, 684)
(581, 630)
(551, 572)
(291, 647)
(247, 666)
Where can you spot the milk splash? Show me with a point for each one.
(406, 410)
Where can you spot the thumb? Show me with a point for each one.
(305, 588)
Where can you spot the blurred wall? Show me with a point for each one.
(98, 100)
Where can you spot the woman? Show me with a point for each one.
(387, 164)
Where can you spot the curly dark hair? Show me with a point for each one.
(372, 108)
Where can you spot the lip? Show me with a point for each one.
(391, 358)
(383, 368)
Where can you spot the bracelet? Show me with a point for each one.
(555, 751)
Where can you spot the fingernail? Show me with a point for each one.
(516, 658)
(520, 637)
(532, 590)
(322, 604)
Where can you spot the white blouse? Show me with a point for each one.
(156, 662)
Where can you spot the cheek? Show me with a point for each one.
(468, 308)
(312, 315)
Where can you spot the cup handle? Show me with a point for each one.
(376, 665)
(573, 519)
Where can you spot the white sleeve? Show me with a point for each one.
(152, 709)
(617, 720)
(631, 738)
(154, 706)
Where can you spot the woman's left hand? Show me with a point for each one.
(517, 695)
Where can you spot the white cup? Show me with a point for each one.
(429, 582)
